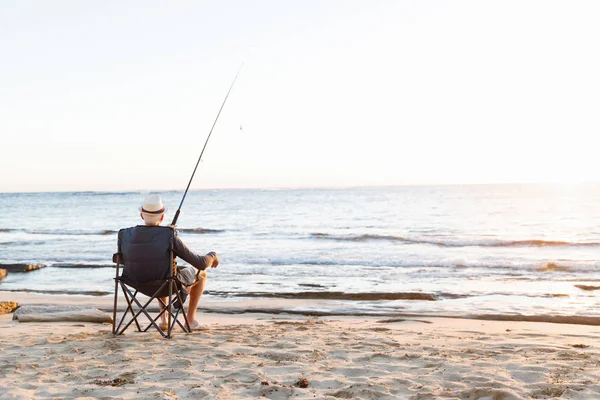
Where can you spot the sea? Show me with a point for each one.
(463, 250)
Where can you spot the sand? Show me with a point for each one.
(258, 355)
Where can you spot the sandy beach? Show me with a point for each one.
(284, 356)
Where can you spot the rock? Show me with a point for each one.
(21, 267)
(2, 274)
(580, 346)
(587, 287)
(43, 313)
(49, 308)
(6, 307)
(91, 315)
(302, 383)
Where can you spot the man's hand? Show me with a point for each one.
(215, 258)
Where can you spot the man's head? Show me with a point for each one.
(152, 210)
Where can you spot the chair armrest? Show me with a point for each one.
(118, 258)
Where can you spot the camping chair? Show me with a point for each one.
(146, 254)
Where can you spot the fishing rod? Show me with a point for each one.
(203, 148)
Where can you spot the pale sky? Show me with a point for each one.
(112, 95)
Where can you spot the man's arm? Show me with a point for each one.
(199, 262)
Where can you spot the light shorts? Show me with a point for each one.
(187, 275)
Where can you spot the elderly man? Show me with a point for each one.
(152, 212)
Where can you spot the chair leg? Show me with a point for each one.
(186, 327)
(131, 299)
(152, 322)
(164, 310)
(114, 324)
(129, 306)
(143, 310)
(170, 307)
(128, 296)
(114, 321)
(175, 315)
(175, 320)
(117, 332)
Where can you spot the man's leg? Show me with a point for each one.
(163, 316)
(195, 293)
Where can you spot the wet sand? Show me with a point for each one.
(256, 355)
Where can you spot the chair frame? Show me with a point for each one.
(171, 282)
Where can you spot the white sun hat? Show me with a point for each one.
(153, 205)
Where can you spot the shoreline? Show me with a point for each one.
(289, 307)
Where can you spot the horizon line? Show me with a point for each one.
(324, 187)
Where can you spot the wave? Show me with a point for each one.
(331, 295)
(561, 266)
(24, 243)
(200, 231)
(377, 296)
(90, 193)
(442, 243)
(551, 266)
(68, 265)
(60, 292)
(102, 232)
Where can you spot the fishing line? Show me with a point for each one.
(203, 148)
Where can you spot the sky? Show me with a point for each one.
(112, 95)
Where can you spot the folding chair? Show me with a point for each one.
(146, 254)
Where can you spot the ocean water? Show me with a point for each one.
(478, 249)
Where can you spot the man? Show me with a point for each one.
(152, 212)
